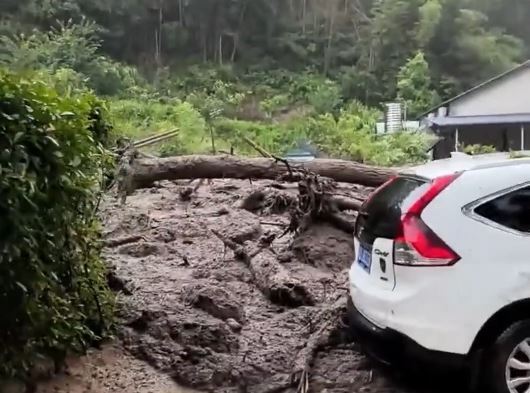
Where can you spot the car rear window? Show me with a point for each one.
(511, 210)
(381, 215)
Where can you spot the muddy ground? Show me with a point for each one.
(110, 370)
(193, 312)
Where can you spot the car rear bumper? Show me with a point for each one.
(390, 346)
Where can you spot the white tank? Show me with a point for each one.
(393, 117)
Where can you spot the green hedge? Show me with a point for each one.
(53, 292)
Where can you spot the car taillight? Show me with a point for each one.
(418, 245)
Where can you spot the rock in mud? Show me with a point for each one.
(234, 325)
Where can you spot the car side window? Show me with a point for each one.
(511, 210)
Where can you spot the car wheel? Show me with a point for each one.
(507, 365)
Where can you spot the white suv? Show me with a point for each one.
(443, 268)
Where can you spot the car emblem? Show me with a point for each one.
(382, 263)
(381, 253)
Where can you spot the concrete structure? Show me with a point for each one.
(496, 112)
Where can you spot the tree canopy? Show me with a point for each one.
(361, 43)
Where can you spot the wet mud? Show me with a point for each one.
(193, 311)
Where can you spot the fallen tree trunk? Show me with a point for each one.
(270, 276)
(147, 171)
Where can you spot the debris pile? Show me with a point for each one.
(240, 286)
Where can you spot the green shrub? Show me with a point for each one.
(70, 46)
(325, 98)
(53, 293)
(66, 81)
(137, 119)
(202, 77)
(275, 138)
(274, 104)
(352, 136)
(479, 149)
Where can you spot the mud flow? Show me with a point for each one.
(212, 296)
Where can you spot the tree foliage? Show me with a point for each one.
(69, 46)
(54, 296)
(362, 43)
(414, 86)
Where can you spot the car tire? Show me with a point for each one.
(507, 346)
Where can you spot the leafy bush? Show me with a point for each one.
(202, 78)
(53, 294)
(479, 149)
(275, 138)
(399, 148)
(352, 136)
(275, 103)
(70, 46)
(325, 98)
(66, 81)
(138, 118)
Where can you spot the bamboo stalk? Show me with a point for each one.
(259, 149)
(156, 140)
(155, 136)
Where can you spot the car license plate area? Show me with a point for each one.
(364, 259)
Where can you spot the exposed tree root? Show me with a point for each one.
(275, 201)
(316, 203)
(269, 201)
(186, 193)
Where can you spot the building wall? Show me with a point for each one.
(492, 135)
(508, 95)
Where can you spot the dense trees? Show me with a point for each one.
(362, 43)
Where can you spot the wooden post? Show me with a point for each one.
(456, 139)
(522, 137)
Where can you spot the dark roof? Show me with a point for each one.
(456, 121)
(480, 86)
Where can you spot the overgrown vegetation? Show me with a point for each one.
(53, 293)
(362, 44)
(217, 69)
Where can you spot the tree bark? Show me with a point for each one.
(147, 171)
(304, 15)
(270, 276)
(327, 55)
